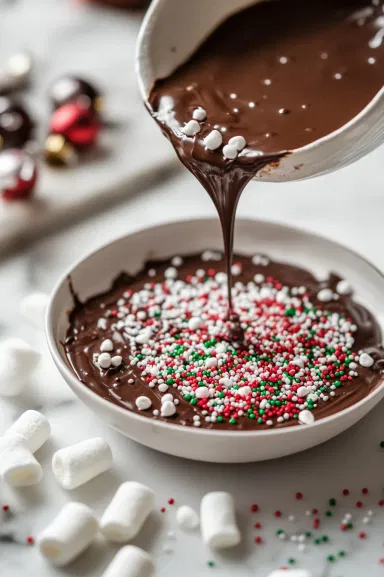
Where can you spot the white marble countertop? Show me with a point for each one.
(347, 206)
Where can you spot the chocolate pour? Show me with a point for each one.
(239, 78)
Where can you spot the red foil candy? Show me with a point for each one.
(78, 124)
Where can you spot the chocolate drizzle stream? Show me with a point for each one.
(281, 74)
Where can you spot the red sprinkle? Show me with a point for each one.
(171, 501)
(299, 496)
(359, 504)
(346, 492)
(314, 511)
(254, 508)
(258, 540)
(343, 527)
(162, 510)
(364, 491)
(257, 525)
(381, 503)
(316, 523)
(362, 535)
(5, 507)
(381, 561)
(30, 540)
(278, 513)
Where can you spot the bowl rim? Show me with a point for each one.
(76, 384)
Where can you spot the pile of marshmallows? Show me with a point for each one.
(214, 139)
(76, 526)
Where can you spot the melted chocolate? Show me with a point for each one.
(281, 74)
(124, 384)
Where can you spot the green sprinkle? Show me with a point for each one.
(233, 421)
(308, 534)
(219, 419)
(328, 513)
(325, 538)
(382, 444)
(193, 401)
(290, 312)
(170, 381)
(332, 502)
(317, 541)
(187, 397)
(341, 553)
(291, 561)
(331, 558)
(280, 531)
(211, 563)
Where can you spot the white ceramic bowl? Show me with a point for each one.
(173, 29)
(95, 273)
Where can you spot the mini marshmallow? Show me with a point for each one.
(167, 397)
(104, 360)
(33, 308)
(191, 128)
(17, 362)
(218, 523)
(168, 409)
(238, 142)
(325, 295)
(127, 512)
(75, 465)
(366, 360)
(34, 427)
(130, 561)
(303, 391)
(290, 573)
(202, 392)
(213, 140)
(69, 534)
(244, 391)
(199, 114)
(306, 417)
(343, 287)
(143, 403)
(18, 466)
(106, 346)
(116, 360)
(187, 518)
(230, 152)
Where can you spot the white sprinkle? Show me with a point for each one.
(199, 114)
(283, 60)
(151, 272)
(366, 360)
(104, 360)
(143, 403)
(116, 360)
(251, 104)
(236, 269)
(144, 337)
(213, 140)
(106, 346)
(267, 81)
(238, 142)
(170, 272)
(371, 60)
(291, 518)
(325, 295)
(306, 417)
(259, 278)
(230, 152)
(211, 362)
(168, 409)
(177, 261)
(194, 323)
(163, 388)
(233, 96)
(102, 323)
(338, 76)
(191, 128)
(343, 288)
